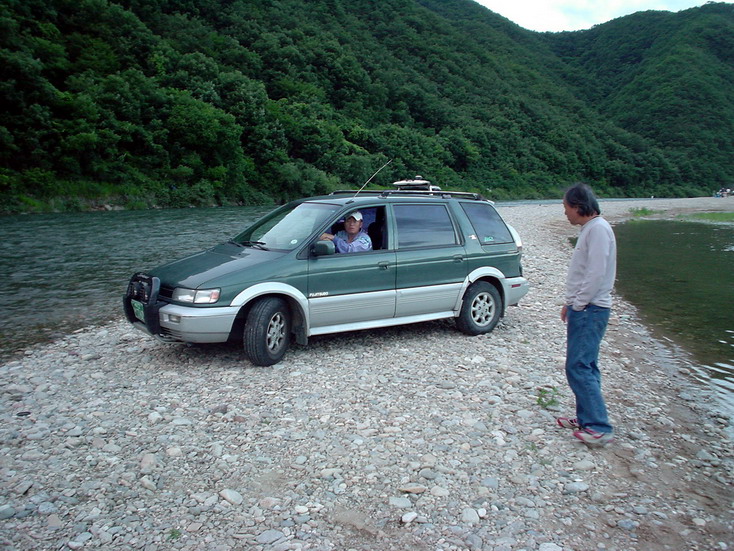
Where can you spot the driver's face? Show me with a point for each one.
(352, 226)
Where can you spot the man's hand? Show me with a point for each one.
(564, 310)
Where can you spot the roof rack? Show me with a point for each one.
(410, 192)
(416, 186)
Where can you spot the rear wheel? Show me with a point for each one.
(267, 331)
(481, 309)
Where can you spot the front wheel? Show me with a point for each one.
(267, 331)
(481, 309)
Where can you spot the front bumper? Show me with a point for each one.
(188, 324)
(171, 322)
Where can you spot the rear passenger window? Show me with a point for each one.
(487, 223)
(424, 225)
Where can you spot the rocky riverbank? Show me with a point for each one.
(415, 437)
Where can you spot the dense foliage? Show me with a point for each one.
(194, 102)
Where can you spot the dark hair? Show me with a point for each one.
(582, 198)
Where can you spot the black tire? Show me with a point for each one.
(267, 331)
(481, 309)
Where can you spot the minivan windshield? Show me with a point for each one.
(287, 227)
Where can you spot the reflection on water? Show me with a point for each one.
(69, 270)
(681, 276)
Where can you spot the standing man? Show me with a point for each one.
(586, 314)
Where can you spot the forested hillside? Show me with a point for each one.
(170, 103)
(666, 77)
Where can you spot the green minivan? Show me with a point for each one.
(341, 262)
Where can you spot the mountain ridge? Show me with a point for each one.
(195, 102)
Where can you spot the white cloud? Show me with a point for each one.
(573, 15)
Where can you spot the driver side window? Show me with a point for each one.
(372, 226)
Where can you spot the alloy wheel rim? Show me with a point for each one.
(276, 332)
(482, 309)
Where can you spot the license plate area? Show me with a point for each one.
(138, 309)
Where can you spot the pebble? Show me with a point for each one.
(401, 502)
(400, 438)
(627, 524)
(584, 465)
(270, 536)
(6, 511)
(413, 488)
(232, 496)
(576, 487)
(407, 518)
(469, 516)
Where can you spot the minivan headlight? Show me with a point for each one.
(196, 296)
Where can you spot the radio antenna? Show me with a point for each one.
(370, 178)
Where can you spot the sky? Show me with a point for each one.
(575, 15)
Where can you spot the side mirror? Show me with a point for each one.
(324, 248)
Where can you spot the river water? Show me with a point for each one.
(66, 271)
(680, 275)
(69, 270)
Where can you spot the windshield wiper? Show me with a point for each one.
(256, 244)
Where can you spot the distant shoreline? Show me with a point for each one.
(94, 206)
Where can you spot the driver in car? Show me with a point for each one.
(352, 239)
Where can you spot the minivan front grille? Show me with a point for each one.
(142, 287)
(166, 292)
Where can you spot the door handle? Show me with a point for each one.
(458, 258)
(383, 265)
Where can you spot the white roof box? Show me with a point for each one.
(417, 183)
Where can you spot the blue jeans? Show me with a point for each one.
(584, 332)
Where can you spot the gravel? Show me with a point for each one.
(415, 437)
